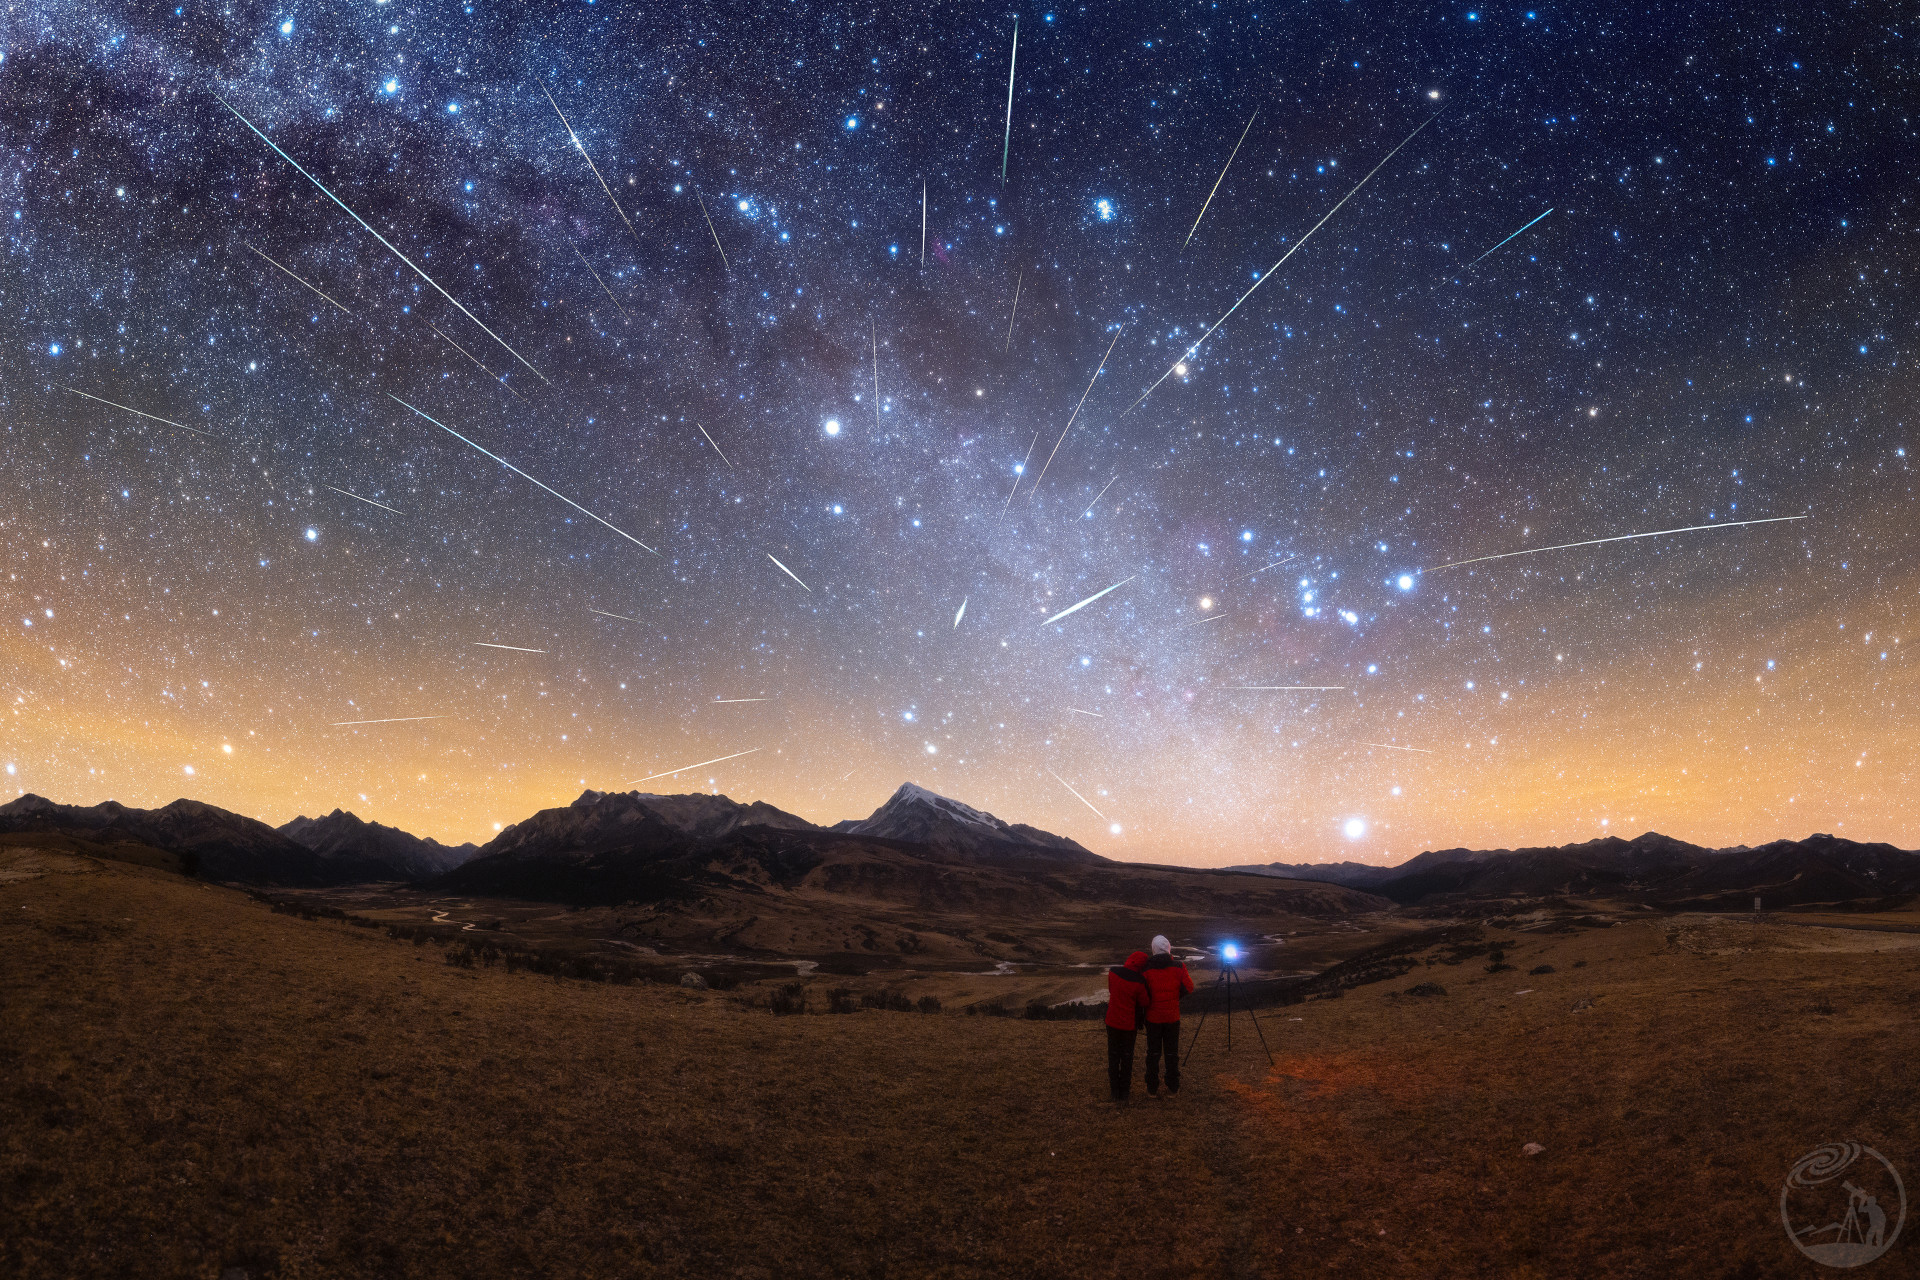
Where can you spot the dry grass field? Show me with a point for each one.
(190, 1084)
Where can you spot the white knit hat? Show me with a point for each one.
(1161, 947)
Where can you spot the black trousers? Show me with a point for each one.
(1120, 1060)
(1163, 1037)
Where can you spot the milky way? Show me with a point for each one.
(281, 591)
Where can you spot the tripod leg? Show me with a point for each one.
(1188, 1055)
(1262, 1035)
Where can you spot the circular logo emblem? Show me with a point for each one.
(1843, 1204)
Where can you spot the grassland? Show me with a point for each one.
(190, 1083)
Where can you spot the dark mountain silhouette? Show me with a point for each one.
(345, 839)
(1651, 868)
(919, 816)
(211, 842)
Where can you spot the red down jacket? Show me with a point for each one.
(1167, 981)
(1127, 994)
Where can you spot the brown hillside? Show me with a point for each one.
(191, 1083)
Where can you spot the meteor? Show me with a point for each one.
(961, 613)
(790, 573)
(1476, 261)
(476, 364)
(1625, 537)
(1095, 714)
(357, 498)
(1020, 473)
(1283, 259)
(1098, 496)
(1076, 413)
(716, 448)
(1011, 314)
(1286, 688)
(315, 288)
(517, 471)
(590, 164)
(1076, 795)
(1089, 600)
(602, 283)
(1263, 568)
(377, 236)
(1012, 61)
(923, 222)
(341, 724)
(516, 648)
(719, 700)
(1217, 181)
(1212, 617)
(876, 373)
(683, 768)
(169, 421)
(1390, 747)
(603, 613)
(713, 233)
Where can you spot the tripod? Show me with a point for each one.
(1226, 982)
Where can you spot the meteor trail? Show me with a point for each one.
(743, 699)
(876, 372)
(962, 612)
(517, 471)
(1476, 261)
(1283, 258)
(1012, 61)
(1284, 688)
(923, 222)
(1625, 537)
(790, 573)
(516, 648)
(377, 236)
(1011, 314)
(1212, 617)
(1095, 714)
(1098, 496)
(169, 421)
(1089, 600)
(1020, 473)
(1390, 747)
(357, 498)
(683, 768)
(603, 613)
(1263, 568)
(1076, 795)
(339, 724)
(1076, 413)
(602, 283)
(590, 164)
(315, 288)
(716, 448)
(713, 233)
(476, 364)
(1217, 181)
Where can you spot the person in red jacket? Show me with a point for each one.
(1167, 981)
(1127, 999)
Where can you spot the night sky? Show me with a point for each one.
(1715, 323)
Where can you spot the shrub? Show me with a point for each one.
(840, 1000)
(1540, 969)
(929, 1004)
(790, 998)
(1427, 989)
(892, 1000)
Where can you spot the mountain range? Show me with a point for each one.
(1652, 868)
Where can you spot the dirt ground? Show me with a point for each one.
(190, 1083)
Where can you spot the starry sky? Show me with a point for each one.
(674, 307)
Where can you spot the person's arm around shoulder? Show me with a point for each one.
(1186, 981)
